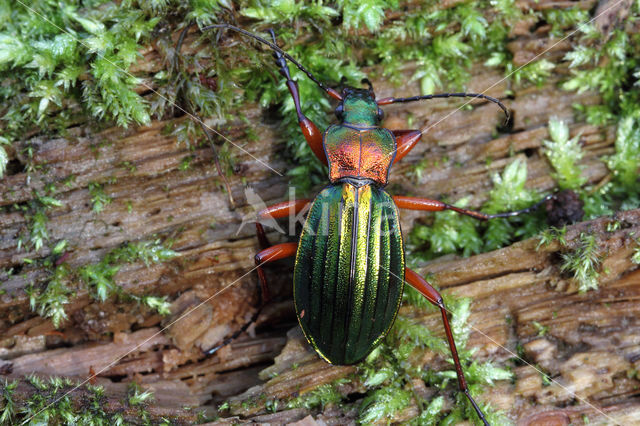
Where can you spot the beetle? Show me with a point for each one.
(350, 267)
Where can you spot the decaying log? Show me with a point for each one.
(590, 347)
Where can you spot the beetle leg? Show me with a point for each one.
(432, 295)
(425, 204)
(279, 251)
(310, 131)
(278, 211)
(270, 254)
(406, 140)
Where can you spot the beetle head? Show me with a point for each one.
(359, 107)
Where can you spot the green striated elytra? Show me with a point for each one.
(349, 272)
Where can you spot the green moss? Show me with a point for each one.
(383, 404)
(443, 53)
(35, 215)
(562, 20)
(50, 300)
(136, 396)
(53, 46)
(564, 155)
(8, 404)
(99, 277)
(451, 232)
(583, 263)
(625, 163)
(99, 199)
(635, 257)
(508, 194)
(319, 397)
(388, 374)
(552, 234)
(52, 403)
(388, 371)
(542, 329)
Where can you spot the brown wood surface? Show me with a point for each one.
(591, 348)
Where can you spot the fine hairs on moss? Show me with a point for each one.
(584, 263)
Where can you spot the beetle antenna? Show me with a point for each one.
(387, 101)
(274, 47)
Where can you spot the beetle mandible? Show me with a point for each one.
(349, 261)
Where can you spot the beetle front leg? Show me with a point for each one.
(425, 204)
(310, 131)
(432, 295)
(271, 254)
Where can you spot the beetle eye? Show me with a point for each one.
(380, 114)
(339, 112)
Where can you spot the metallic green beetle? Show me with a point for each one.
(350, 267)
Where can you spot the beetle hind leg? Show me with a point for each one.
(270, 254)
(432, 295)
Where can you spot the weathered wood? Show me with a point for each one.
(588, 350)
(115, 402)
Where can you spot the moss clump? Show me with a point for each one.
(320, 397)
(49, 300)
(583, 263)
(635, 258)
(55, 401)
(564, 154)
(67, 62)
(454, 233)
(388, 370)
